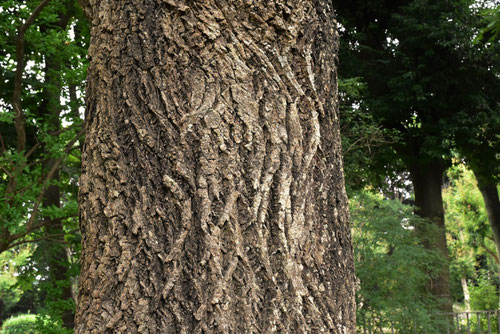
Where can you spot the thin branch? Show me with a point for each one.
(352, 145)
(3, 144)
(19, 121)
(31, 151)
(48, 237)
(58, 132)
(30, 225)
(55, 133)
(37, 162)
(491, 252)
(48, 177)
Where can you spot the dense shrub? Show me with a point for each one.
(32, 324)
(20, 324)
(392, 266)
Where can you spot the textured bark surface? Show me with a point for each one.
(212, 193)
(427, 182)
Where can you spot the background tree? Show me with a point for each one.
(43, 61)
(474, 259)
(477, 126)
(422, 82)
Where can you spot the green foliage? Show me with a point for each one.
(32, 324)
(20, 324)
(10, 263)
(466, 217)
(39, 184)
(55, 51)
(425, 79)
(470, 240)
(391, 264)
(490, 31)
(484, 295)
(468, 231)
(365, 143)
(418, 74)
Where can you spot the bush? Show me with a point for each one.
(32, 324)
(483, 296)
(392, 266)
(20, 324)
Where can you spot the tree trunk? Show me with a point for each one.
(57, 257)
(212, 194)
(427, 178)
(489, 192)
(465, 289)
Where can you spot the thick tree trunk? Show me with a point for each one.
(427, 178)
(212, 193)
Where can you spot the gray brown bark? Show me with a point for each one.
(212, 193)
(427, 179)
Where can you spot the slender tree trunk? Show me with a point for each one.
(465, 289)
(50, 109)
(489, 192)
(212, 194)
(57, 256)
(427, 182)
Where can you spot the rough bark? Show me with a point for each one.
(427, 178)
(212, 194)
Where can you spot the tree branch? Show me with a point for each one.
(49, 177)
(30, 225)
(491, 252)
(19, 121)
(3, 144)
(47, 237)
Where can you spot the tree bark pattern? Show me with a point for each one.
(212, 193)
